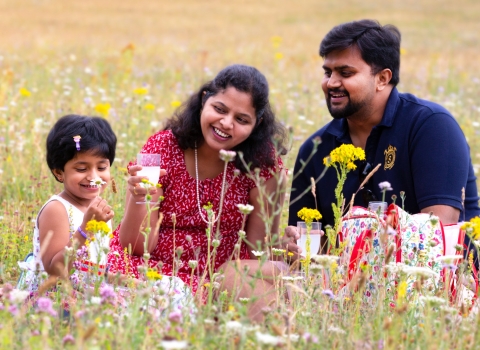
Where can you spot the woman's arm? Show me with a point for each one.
(268, 203)
(133, 222)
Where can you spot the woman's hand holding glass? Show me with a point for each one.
(137, 189)
(291, 241)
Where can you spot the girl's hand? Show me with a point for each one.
(98, 209)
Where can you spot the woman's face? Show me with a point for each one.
(227, 119)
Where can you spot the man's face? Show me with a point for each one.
(348, 83)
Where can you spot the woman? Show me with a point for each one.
(231, 112)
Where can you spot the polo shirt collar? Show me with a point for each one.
(339, 127)
(390, 109)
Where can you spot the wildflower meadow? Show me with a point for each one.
(134, 63)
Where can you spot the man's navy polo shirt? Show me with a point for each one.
(421, 149)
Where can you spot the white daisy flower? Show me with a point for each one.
(97, 182)
(257, 253)
(268, 339)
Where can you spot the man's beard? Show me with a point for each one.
(345, 112)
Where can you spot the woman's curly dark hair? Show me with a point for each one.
(268, 134)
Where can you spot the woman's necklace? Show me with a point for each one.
(198, 196)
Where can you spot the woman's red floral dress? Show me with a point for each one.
(180, 199)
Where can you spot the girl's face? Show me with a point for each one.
(79, 171)
(227, 119)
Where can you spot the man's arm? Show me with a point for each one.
(446, 214)
(440, 162)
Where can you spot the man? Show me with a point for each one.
(420, 146)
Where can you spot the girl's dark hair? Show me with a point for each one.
(96, 136)
(379, 45)
(268, 133)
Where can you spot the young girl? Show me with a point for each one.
(231, 112)
(80, 151)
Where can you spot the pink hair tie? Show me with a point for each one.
(77, 138)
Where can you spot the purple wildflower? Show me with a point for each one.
(108, 294)
(68, 339)
(451, 267)
(175, 317)
(385, 186)
(310, 338)
(328, 293)
(13, 309)
(82, 253)
(45, 305)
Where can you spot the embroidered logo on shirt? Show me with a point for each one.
(390, 157)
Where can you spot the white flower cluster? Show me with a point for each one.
(421, 271)
(385, 186)
(431, 299)
(449, 259)
(245, 208)
(325, 260)
(227, 156)
(278, 252)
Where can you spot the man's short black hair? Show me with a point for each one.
(379, 45)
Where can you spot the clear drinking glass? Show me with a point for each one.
(378, 207)
(150, 168)
(315, 234)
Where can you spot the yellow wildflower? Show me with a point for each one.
(140, 91)
(24, 92)
(25, 238)
(278, 56)
(345, 155)
(308, 215)
(176, 104)
(103, 108)
(472, 228)
(94, 226)
(402, 290)
(208, 206)
(153, 275)
(351, 166)
(149, 107)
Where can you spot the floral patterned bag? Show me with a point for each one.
(417, 245)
